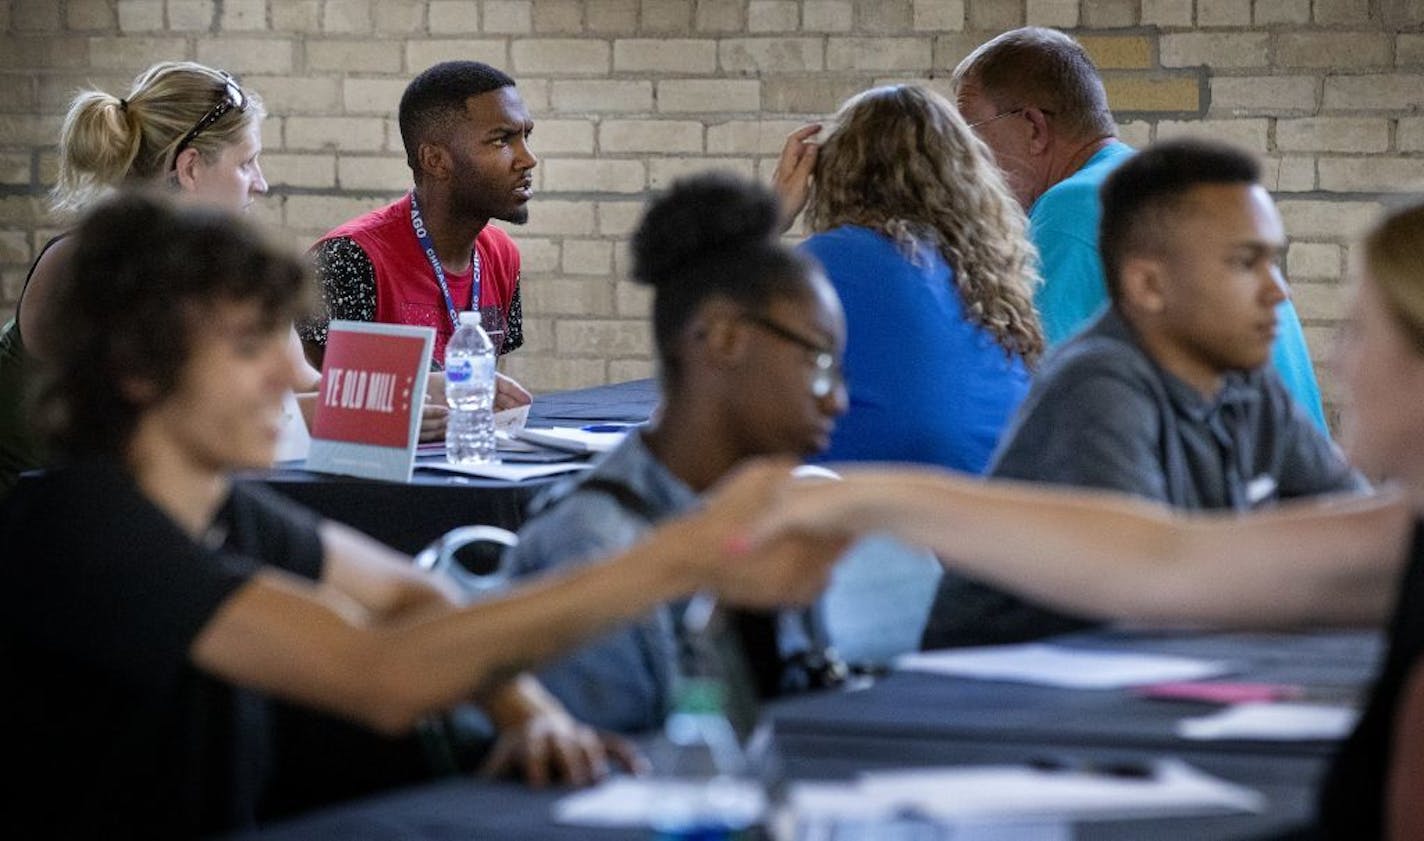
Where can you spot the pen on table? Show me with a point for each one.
(607, 427)
(1127, 769)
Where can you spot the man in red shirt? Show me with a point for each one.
(432, 253)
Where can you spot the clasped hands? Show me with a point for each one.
(508, 394)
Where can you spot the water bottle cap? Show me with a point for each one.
(469, 317)
(700, 695)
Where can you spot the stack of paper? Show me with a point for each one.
(1051, 665)
(508, 471)
(969, 795)
(633, 801)
(573, 439)
(1272, 722)
(1173, 788)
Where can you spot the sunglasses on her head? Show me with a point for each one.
(233, 98)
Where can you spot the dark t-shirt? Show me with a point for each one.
(1352, 796)
(111, 729)
(1102, 414)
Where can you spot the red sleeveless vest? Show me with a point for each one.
(406, 290)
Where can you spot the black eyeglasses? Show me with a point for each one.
(828, 374)
(232, 98)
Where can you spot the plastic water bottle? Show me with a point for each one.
(469, 391)
(703, 786)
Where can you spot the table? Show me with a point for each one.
(915, 707)
(917, 720)
(408, 517)
(458, 810)
(910, 719)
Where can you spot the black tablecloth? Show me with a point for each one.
(408, 517)
(628, 402)
(920, 720)
(927, 708)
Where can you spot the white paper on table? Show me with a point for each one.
(513, 472)
(294, 439)
(1174, 788)
(573, 439)
(842, 810)
(505, 442)
(631, 802)
(1051, 665)
(1273, 722)
(620, 801)
(510, 421)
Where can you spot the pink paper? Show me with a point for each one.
(1220, 693)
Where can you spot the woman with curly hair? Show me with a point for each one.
(928, 252)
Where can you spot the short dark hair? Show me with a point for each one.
(1139, 196)
(143, 277)
(437, 95)
(1045, 69)
(711, 235)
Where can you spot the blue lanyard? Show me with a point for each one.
(428, 245)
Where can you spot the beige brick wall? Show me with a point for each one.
(629, 94)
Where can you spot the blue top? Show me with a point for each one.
(1063, 224)
(926, 385)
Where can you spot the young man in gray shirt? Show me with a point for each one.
(1167, 394)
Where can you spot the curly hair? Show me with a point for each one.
(902, 162)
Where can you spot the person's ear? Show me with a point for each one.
(435, 161)
(1040, 131)
(185, 168)
(1142, 284)
(721, 333)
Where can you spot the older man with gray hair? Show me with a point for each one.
(1035, 98)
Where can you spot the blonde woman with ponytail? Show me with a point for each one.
(181, 124)
(928, 252)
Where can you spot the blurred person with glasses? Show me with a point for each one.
(1035, 98)
(749, 337)
(926, 248)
